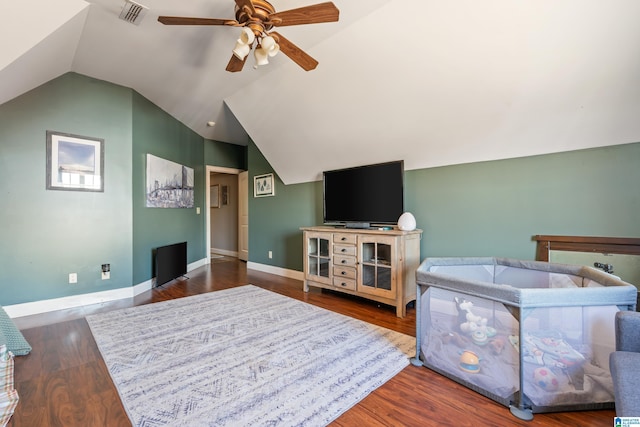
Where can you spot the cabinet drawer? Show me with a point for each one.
(344, 261)
(344, 283)
(344, 250)
(340, 272)
(345, 238)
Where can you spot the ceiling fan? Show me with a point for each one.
(257, 19)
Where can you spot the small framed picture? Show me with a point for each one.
(74, 162)
(215, 196)
(263, 185)
(224, 195)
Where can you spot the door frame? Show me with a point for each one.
(209, 170)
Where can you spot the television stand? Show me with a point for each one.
(378, 265)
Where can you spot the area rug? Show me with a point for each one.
(243, 357)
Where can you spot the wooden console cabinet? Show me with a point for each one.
(379, 265)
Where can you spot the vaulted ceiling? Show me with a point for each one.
(430, 82)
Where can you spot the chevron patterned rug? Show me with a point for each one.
(243, 357)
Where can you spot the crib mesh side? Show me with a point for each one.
(565, 350)
(447, 348)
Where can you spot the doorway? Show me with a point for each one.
(222, 201)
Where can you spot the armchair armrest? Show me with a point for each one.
(627, 327)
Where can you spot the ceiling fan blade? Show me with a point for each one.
(181, 20)
(296, 54)
(246, 3)
(236, 64)
(314, 14)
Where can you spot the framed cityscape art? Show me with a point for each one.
(169, 184)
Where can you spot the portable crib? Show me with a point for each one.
(533, 336)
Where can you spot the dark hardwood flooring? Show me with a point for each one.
(64, 381)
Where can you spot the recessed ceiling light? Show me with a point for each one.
(211, 124)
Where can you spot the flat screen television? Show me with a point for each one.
(364, 196)
(171, 262)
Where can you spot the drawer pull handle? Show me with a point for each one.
(343, 239)
(343, 272)
(343, 250)
(344, 261)
(343, 284)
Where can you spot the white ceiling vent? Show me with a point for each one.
(133, 12)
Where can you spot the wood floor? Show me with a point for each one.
(64, 381)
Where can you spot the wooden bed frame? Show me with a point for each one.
(605, 245)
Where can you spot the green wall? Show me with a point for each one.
(157, 133)
(478, 209)
(494, 208)
(274, 222)
(488, 208)
(225, 155)
(46, 234)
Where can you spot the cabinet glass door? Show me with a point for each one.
(318, 256)
(375, 264)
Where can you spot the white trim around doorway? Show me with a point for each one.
(209, 170)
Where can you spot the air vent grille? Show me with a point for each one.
(133, 12)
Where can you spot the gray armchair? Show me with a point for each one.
(625, 364)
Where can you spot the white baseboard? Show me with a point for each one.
(74, 301)
(284, 272)
(197, 264)
(224, 252)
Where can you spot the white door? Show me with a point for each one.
(243, 216)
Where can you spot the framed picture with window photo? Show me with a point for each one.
(74, 162)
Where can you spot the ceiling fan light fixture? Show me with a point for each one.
(274, 50)
(268, 43)
(256, 19)
(247, 36)
(261, 56)
(241, 50)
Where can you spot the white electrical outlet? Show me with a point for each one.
(106, 275)
(73, 277)
(270, 255)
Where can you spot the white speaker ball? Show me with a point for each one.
(407, 222)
